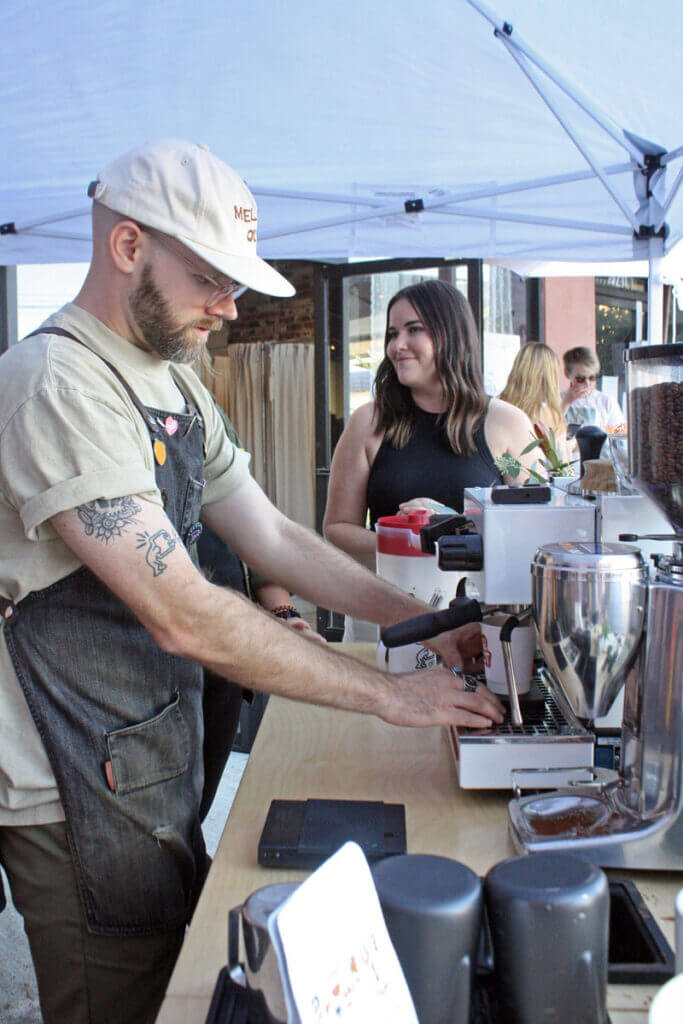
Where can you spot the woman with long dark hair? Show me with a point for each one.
(431, 430)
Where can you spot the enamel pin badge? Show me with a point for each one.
(160, 452)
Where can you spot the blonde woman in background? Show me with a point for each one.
(533, 385)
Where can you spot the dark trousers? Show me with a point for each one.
(222, 703)
(82, 978)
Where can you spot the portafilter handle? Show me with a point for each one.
(633, 538)
(431, 624)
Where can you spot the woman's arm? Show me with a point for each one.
(508, 429)
(278, 601)
(346, 511)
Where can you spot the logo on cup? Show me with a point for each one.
(425, 658)
(486, 652)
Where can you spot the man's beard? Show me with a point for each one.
(160, 332)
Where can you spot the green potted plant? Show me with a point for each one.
(550, 461)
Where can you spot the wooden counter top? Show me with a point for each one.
(303, 751)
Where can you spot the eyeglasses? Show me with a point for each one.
(230, 289)
(582, 380)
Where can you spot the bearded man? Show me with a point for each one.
(112, 454)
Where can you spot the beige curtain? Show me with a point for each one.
(293, 420)
(267, 391)
(239, 389)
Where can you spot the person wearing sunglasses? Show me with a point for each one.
(582, 402)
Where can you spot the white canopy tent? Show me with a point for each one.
(365, 130)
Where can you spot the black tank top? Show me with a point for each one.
(427, 468)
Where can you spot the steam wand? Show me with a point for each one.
(505, 637)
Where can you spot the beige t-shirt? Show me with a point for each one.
(69, 434)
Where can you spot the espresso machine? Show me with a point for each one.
(633, 820)
(541, 743)
(608, 628)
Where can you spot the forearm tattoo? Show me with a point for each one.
(158, 547)
(106, 520)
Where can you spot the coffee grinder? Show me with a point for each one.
(633, 820)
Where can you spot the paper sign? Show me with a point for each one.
(336, 958)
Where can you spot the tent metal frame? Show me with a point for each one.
(647, 162)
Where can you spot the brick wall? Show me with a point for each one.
(569, 315)
(262, 318)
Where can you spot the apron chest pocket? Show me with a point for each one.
(151, 751)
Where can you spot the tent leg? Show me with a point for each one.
(655, 292)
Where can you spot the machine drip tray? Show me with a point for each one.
(638, 951)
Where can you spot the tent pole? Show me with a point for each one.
(504, 31)
(57, 234)
(655, 292)
(83, 212)
(493, 213)
(426, 205)
(582, 148)
(482, 192)
(669, 200)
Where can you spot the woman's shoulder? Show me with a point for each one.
(361, 429)
(506, 415)
(506, 427)
(363, 420)
(359, 435)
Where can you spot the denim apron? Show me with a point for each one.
(121, 719)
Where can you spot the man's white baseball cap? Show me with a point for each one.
(186, 192)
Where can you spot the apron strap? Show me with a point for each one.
(149, 420)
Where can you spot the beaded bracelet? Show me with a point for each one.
(285, 611)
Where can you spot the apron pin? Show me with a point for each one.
(194, 533)
(160, 452)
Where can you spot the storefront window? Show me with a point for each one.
(504, 324)
(620, 318)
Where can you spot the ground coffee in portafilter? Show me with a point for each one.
(657, 451)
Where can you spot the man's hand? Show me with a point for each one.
(460, 647)
(435, 696)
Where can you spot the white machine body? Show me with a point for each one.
(513, 533)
